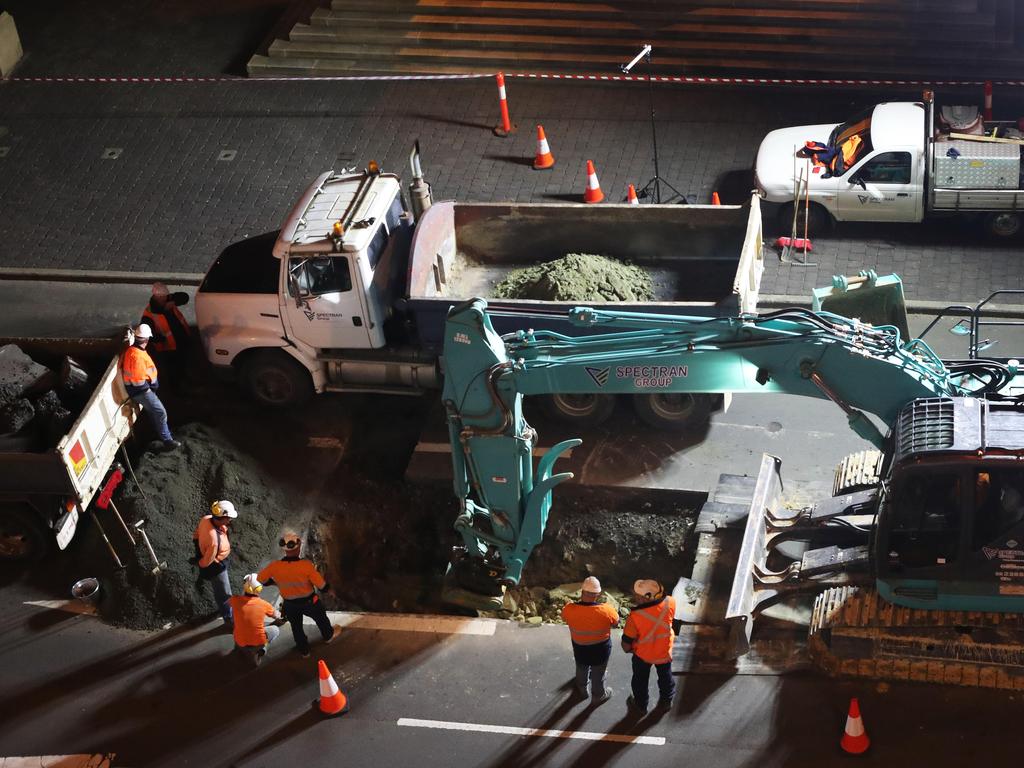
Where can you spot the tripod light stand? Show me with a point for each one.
(655, 184)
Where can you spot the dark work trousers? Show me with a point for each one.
(313, 607)
(642, 677)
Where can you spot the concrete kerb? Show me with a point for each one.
(99, 276)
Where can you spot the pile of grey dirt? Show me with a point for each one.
(174, 491)
(578, 277)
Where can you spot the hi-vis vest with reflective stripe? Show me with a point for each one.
(590, 623)
(653, 627)
(163, 340)
(295, 578)
(137, 367)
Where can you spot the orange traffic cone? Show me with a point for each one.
(715, 199)
(631, 197)
(332, 700)
(593, 193)
(855, 740)
(544, 157)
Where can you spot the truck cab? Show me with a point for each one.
(885, 180)
(284, 309)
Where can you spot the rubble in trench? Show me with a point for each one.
(382, 543)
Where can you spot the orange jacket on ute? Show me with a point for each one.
(295, 577)
(248, 613)
(137, 368)
(214, 546)
(590, 623)
(650, 628)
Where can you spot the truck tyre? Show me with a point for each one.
(23, 536)
(582, 410)
(820, 222)
(276, 380)
(674, 411)
(1002, 224)
(857, 472)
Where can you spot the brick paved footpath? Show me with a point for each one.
(167, 202)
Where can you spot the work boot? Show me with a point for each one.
(304, 653)
(664, 704)
(171, 445)
(334, 635)
(579, 693)
(602, 699)
(640, 710)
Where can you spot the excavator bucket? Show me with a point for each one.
(867, 297)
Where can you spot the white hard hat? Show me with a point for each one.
(290, 542)
(143, 331)
(251, 584)
(159, 289)
(591, 584)
(223, 508)
(648, 589)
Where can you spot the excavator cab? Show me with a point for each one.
(951, 517)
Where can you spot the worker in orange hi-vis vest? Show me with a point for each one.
(590, 628)
(138, 374)
(172, 335)
(252, 634)
(298, 580)
(648, 636)
(213, 551)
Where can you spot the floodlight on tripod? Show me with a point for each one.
(656, 182)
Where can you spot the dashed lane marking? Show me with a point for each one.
(438, 625)
(58, 761)
(509, 730)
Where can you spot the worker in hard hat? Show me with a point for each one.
(138, 373)
(648, 636)
(252, 634)
(171, 332)
(298, 581)
(590, 625)
(213, 548)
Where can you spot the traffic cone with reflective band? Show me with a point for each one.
(332, 700)
(854, 740)
(593, 193)
(631, 197)
(544, 158)
(715, 199)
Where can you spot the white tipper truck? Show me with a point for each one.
(907, 169)
(351, 294)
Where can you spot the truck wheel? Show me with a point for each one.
(274, 379)
(23, 537)
(1003, 224)
(857, 472)
(674, 411)
(582, 410)
(820, 221)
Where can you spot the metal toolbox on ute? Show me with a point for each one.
(979, 165)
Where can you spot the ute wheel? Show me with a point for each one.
(672, 411)
(857, 472)
(583, 410)
(276, 380)
(1003, 225)
(23, 537)
(820, 221)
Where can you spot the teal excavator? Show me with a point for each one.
(917, 561)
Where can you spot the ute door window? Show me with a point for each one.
(926, 520)
(317, 275)
(887, 168)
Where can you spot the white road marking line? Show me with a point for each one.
(58, 761)
(655, 741)
(446, 448)
(71, 606)
(438, 625)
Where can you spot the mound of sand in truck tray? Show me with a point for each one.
(577, 277)
(174, 491)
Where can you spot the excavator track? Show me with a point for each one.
(856, 633)
(857, 472)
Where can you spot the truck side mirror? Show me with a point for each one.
(859, 181)
(293, 289)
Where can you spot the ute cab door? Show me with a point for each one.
(883, 186)
(323, 302)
